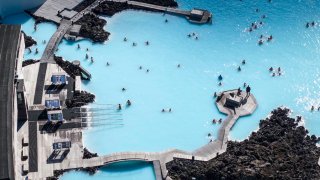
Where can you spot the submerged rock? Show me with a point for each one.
(280, 149)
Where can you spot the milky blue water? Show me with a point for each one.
(188, 90)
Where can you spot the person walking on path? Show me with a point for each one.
(248, 89)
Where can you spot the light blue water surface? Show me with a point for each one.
(189, 90)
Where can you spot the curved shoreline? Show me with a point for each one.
(278, 145)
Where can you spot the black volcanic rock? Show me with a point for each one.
(92, 28)
(28, 40)
(110, 8)
(88, 155)
(280, 149)
(67, 66)
(80, 99)
(168, 3)
(28, 62)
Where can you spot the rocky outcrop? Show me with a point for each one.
(68, 67)
(92, 28)
(88, 155)
(80, 99)
(110, 8)
(280, 149)
(28, 40)
(28, 62)
(168, 3)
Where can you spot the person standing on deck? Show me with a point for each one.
(248, 89)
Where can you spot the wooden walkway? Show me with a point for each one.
(159, 8)
(205, 153)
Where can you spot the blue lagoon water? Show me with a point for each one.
(189, 90)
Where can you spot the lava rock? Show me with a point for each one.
(28, 40)
(92, 28)
(29, 61)
(280, 149)
(88, 155)
(80, 99)
(68, 67)
(110, 8)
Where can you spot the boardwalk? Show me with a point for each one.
(159, 8)
(55, 40)
(205, 153)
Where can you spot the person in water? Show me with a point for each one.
(178, 65)
(147, 70)
(243, 62)
(244, 84)
(125, 39)
(271, 69)
(124, 89)
(307, 25)
(166, 20)
(119, 107)
(147, 43)
(239, 68)
(108, 64)
(87, 56)
(248, 90)
(220, 77)
(78, 46)
(128, 103)
(37, 51)
(140, 67)
(312, 108)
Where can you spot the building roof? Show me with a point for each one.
(9, 44)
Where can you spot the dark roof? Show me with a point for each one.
(9, 41)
